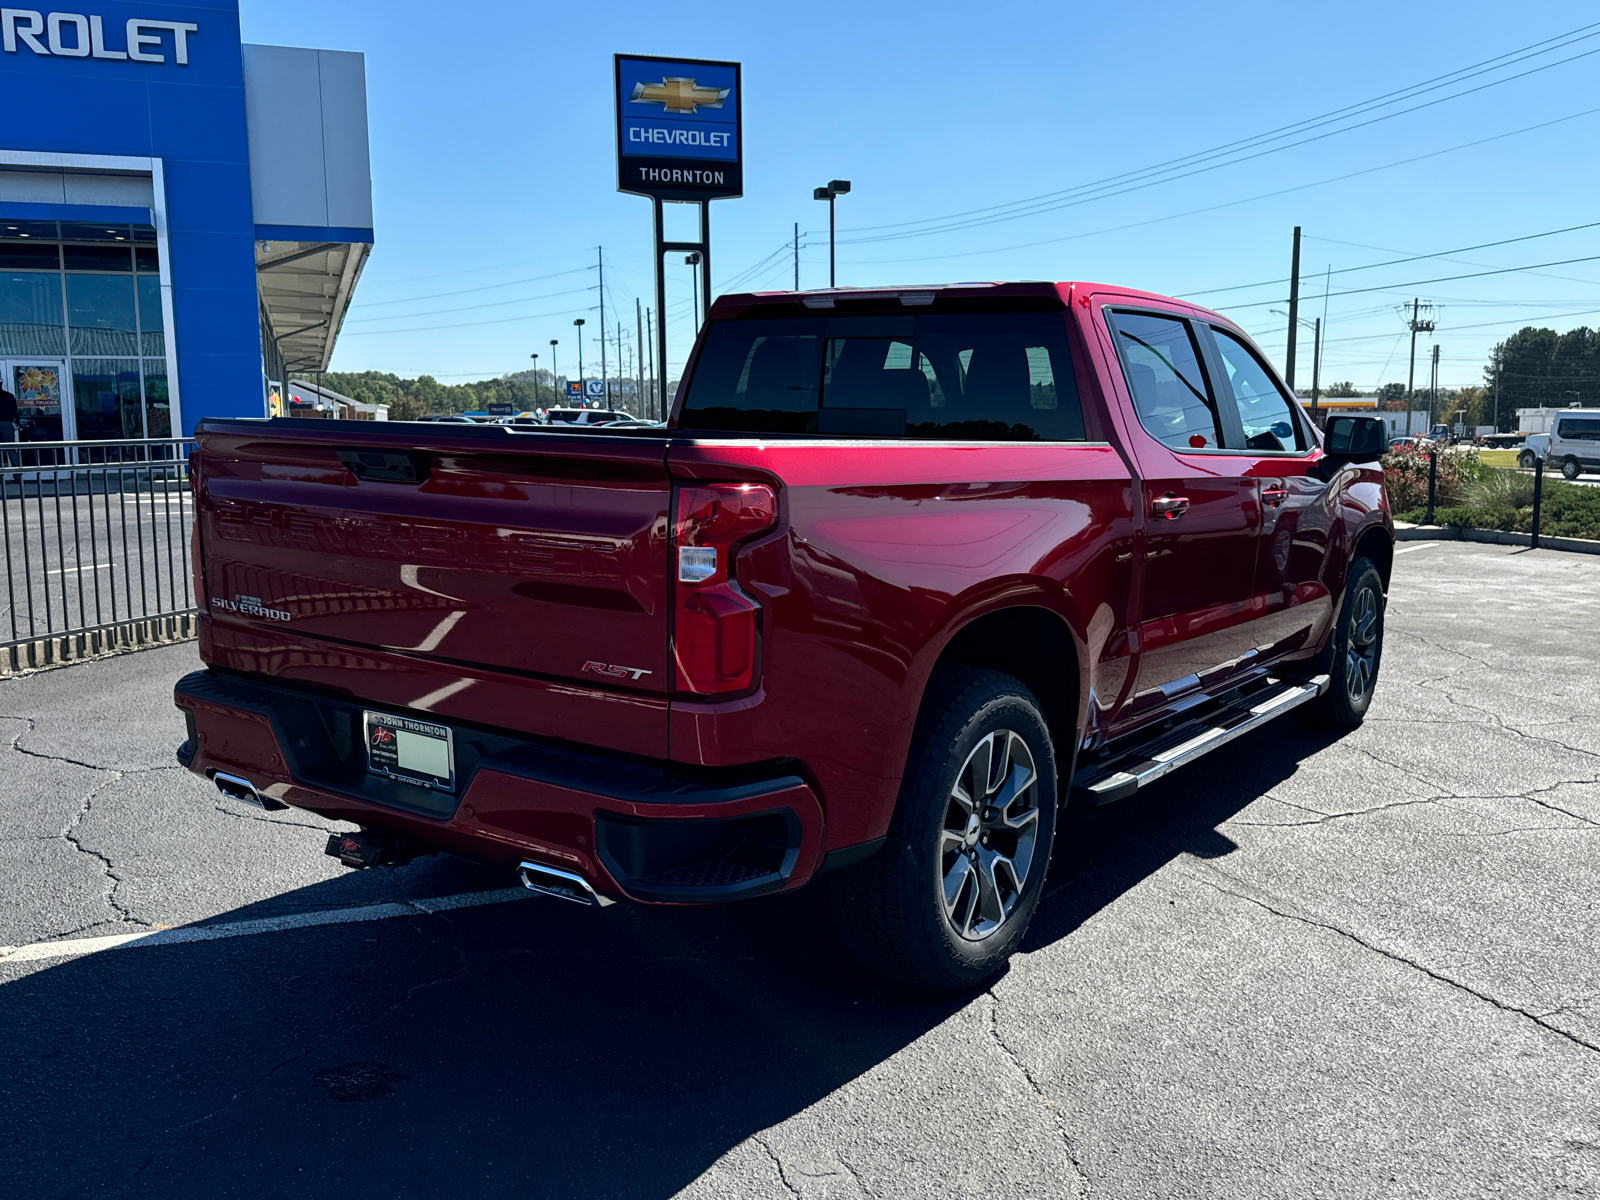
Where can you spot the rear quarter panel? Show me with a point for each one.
(884, 550)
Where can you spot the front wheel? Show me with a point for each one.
(948, 899)
(1354, 653)
(1525, 460)
(1571, 469)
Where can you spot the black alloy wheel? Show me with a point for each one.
(1354, 652)
(949, 898)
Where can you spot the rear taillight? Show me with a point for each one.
(714, 630)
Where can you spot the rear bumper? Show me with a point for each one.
(633, 830)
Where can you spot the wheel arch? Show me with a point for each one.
(1034, 644)
(1376, 543)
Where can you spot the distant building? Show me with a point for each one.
(312, 400)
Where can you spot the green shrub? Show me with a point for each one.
(1495, 489)
(1567, 510)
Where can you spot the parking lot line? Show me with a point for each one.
(75, 947)
(1414, 549)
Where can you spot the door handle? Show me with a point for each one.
(1170, 507)
(1274, 495)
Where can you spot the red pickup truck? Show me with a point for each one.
(907, 574)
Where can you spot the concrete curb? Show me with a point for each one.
(63, 649)
(1499, 537)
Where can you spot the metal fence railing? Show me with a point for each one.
(96, 540)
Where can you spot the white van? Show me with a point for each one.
(1575, 441)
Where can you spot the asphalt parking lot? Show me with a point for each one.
(1306, 966)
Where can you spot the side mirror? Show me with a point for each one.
(1354, 439)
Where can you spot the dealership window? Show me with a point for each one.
(89, 297)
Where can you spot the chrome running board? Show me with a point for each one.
(1123, 774)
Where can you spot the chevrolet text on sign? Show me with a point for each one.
(678, 128)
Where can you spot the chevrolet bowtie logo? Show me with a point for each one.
(677, 95)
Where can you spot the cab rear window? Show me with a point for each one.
(950, 376)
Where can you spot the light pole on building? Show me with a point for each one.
(583, 392)
(835, 189)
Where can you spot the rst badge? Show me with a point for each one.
(613, 671)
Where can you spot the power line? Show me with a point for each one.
(1239, 287)
(488, 287)
(1210, 208)
(470, 307)
(1103, 190)
(1390, 287)
(469, 324)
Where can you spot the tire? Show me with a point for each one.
(1571, 468)
(1525, 460)
(893, 910)
(1354, 653)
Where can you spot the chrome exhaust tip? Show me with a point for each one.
(564, 885)
(235, 788)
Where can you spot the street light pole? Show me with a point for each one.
(835, 189)
(692, 261)
(555, 399)
(535, 357)
(583, 392)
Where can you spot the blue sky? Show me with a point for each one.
(494, 179)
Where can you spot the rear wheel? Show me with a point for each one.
(1354, 653)
(947, 901)
(1571, 469)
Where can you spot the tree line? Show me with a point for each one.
(409, 399)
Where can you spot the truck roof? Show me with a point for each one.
(919, 295)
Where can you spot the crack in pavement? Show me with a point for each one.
(1083, 1188)
(1391, 955)
(237, 816)
(70, 835)
(783, 1175)
(1338, 816)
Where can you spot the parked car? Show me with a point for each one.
(585, 416)
(1536, 447)
(1412, 440)
(1020, 548)
(448, 418)
(1575, 442)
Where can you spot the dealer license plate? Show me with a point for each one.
(418, 752)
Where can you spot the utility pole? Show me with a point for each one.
(638, 317)
(1294, 311)
(1316, 367)
(619, 360)
(655, 387)
(1497, 389)
(1417, 326)
(605, 378)
(1433, 384)
(797, 256)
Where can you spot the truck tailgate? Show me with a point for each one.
(535, 555)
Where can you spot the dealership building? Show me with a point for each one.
(183, 218)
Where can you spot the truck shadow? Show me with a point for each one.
(525, 1048)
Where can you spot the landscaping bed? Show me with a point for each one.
(1474, 494)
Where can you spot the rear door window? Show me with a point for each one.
(1170, 392)
(1264, 411)
(952, 376)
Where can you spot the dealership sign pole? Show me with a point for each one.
(680, 139)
